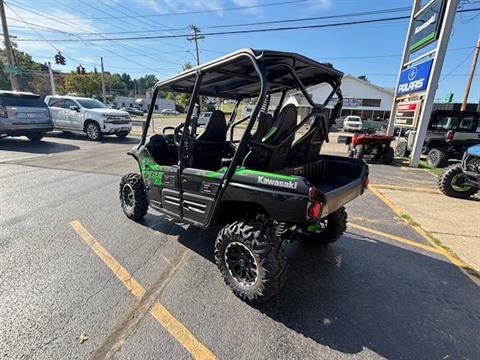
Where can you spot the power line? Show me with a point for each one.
(188, 12)
(373, 12)
(247, 31)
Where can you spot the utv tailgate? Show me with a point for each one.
(339, 179)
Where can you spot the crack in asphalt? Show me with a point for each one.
(128, 327)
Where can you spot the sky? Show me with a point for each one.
(373, 50)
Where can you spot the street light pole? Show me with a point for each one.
(52, 81)
(103, 81)
(8, 47)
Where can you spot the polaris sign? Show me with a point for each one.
(414, 78)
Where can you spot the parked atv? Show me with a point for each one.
(369, 145)
(265, 190)
(462, 180)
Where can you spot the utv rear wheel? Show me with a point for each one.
(454, 183)
(133, 197)
(437, 158)
(251, 260)
(358, 151)
(327, 230)
(387, 156)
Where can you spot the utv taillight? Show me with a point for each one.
(3, 112)
(315, 210)
(450, 135)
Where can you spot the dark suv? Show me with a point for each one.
(23, 114)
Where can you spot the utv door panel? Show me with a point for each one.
(198, 194)
(171, 201)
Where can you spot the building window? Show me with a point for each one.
(378, 115)
(156, 107)
(123, 104)
(367, 114)
(371, 102)
(346, 112)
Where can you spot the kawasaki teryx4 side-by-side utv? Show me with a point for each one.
(265, 189)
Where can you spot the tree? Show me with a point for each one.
(87, 85)
(183, 99)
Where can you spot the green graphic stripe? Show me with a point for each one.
(243, 171)
(423, 41)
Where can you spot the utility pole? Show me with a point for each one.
(52, 82)
(195, 37)
(103, 81)
(8, 48)
(470, 76)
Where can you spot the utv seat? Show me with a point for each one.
(210, 145)
(270, 153)
(159, 148)
(307, 148)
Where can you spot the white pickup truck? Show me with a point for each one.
(71, 113)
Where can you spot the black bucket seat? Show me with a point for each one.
(270, 153)
(210, 145)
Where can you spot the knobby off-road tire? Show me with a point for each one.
(401, 149)
(452, 183)
(133, 197)
(387, 156)
(330, 229)
(251, 260)
(358, 151)
(437, 158)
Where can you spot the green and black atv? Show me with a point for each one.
(266, 188)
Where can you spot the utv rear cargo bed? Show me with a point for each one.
(339, 179)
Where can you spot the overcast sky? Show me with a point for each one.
(370, 49)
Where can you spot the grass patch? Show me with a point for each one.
(422, 164)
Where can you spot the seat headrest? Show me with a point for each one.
(216, 129)
(285, 121)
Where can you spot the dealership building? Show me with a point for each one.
(360, 97)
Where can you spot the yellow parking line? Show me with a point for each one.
(404, 188)
(158, 311)
(398, 211)
(396, 238)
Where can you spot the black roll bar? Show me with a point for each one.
(149, 118)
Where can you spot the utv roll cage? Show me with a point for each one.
(249, 73)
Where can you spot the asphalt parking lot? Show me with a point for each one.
(80, 280)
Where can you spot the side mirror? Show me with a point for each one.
(74, 108)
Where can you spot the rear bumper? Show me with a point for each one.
(26, 130)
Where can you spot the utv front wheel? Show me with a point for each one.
(251, 260)
(326, 230)
(454, 183)
(133, 197)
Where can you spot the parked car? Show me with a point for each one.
(23, 114)
(71, 113)
(462, 180)
(133, 111)
(203, 118)
(449, 135)
(352, 123)
(169, 112)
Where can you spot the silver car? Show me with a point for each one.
(23, 114)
